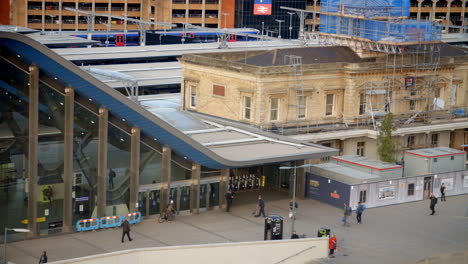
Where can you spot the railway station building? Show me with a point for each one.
(73, 148)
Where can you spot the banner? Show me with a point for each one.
(262, 7)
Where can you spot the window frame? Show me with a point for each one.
(362, 104)
(193, 96)
(301, 108)
(276, 110)
(360, 148)
(331, 105)
(410, 189)
(435, 138)
(245, 108)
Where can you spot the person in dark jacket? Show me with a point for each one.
(261, 207)
(229, 200)
(442, 192)
(43, 258)
(126, 229)
(294, 235)
(433, 203)
(360, 208)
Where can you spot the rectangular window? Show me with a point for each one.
(360, 148)
(412, 104)
(452, 157)
(437, 92)
(362, 196)
(193, 96)
(301, 106)
(410, 141)
(274, 107)
(434, 140)
(329, 105)
(362, 104)
(410, 189)
(247, 107)
(218, 90)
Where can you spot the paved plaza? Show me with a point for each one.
(394, 234)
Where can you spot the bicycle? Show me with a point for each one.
(166, 217)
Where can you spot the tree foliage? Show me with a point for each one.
(386, 146)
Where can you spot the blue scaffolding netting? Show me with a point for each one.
(363, 20)
(368, 8)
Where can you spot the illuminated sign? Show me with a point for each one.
(314, 183)
(335, 195)
(262, 7)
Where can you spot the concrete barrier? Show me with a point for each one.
(258, 252)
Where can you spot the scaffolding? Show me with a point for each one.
(410, 55)
(297, 105)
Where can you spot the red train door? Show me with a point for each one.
(232, 38)
(119, 40)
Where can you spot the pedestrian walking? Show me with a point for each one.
(433, 203)
(294, 235)
(332, 246)
(43, 258)
(346, 212)
(261, 207)
(442, 192)
(229, 199)
(111, 178)
(292, 214)
(359, 210)
(126, 229)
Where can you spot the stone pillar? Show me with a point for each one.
(300, 180)
(434, 3)
(166, 177)
(419, 8)
(447, 15)
(187, 7)
(134, 169)
(203, 13)
(223, 187)
(33, 124)
(102, 162)
(68, 160)
(195, 199)
(464, 23)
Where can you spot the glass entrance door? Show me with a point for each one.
(142, 203)
(149, 200)
(154, 202)
(214, 194)
(203, 195)
(184, 199)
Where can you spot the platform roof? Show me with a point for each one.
(152, 126)
(366, 162)
(344, 174)
(147, 74)
(17, 29)
(230, 140)
(51, 39)
(435, 152)
(131, 52)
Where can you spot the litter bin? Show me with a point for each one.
(273, 227)
(323, 232)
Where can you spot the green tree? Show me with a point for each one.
(386, 146)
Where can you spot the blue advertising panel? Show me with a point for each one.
(333, 192)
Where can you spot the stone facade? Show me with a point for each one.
(337, 95)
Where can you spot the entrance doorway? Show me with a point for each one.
(180, 193)
(427, 187)
(149, 199)
(209, 194)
